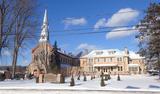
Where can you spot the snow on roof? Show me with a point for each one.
(104, 53)
(133, 55)
(111, 53)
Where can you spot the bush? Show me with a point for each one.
(85, 78)
(37, 79)
(2, 77)
(78, 77)
(19, 76)
(106, 77)
(118, 78)
(102, 82)
(94, 77)
(62, 79)
(102, 74)
(91, 77)
(109, 76)
(72, 83)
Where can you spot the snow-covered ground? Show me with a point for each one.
(128, 82)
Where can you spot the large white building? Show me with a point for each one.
(113, 61)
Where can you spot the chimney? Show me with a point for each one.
(126, 50)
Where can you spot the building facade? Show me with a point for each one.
(113, 61)
(48, 59)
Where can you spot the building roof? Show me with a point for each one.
(112, 53)
(134, 55)
(104, 53)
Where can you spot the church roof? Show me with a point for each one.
(40, 44)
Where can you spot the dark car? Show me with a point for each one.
(2, 76)
(19, 76)
(153, 72)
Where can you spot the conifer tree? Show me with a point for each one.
(102, 81)
(118, 78)
(72, 83)
(149, 35)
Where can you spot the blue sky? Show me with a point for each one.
(76, 14)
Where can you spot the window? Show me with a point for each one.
(96, 60)
(90, 60)
(98, 68)
(118, 68)
(99, 52)
(133, 69)
(119, 59)
(101, 60)
(111, 52)
(83, 62)
(106, 69)
(121, 68)
(111, 68)
(110, 59)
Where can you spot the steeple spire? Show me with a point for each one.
(45, 20)
(44, 33)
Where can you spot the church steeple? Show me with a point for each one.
(44, 33)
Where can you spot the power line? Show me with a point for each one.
(94, 32)
(91, 28)
(83, 29)
(84, 33)
(79, 31)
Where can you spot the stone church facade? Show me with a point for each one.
(48, 59)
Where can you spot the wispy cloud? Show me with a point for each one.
(120, 32)
(74, 21)
(6, 52)
(87, 46)
(121, 18)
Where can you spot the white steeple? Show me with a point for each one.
(44, 33)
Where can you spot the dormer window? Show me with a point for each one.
(99, 52)
(111, 52)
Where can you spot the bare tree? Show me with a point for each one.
(6, 23)
(24, 26)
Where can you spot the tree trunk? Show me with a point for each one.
(1, 31)
(159, 64)
(14, 61)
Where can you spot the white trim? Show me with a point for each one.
(107, 65)
(133, 65)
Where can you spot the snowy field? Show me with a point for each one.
(127, 83)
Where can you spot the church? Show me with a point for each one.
(49, 59)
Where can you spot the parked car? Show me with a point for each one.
(19, 76)
(153, 72)
(2, 76)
